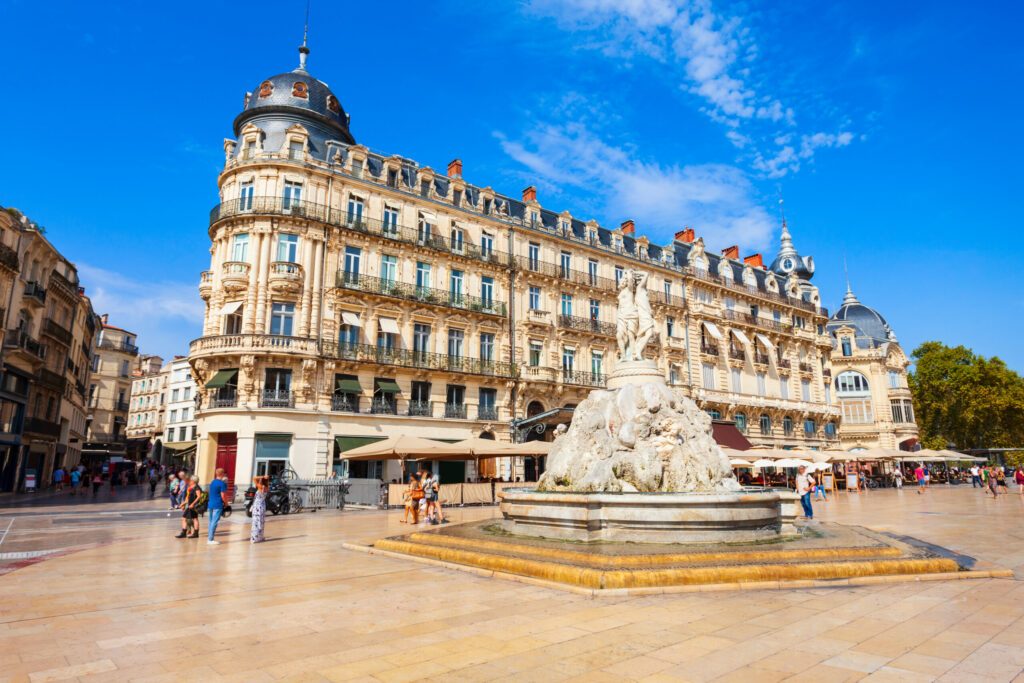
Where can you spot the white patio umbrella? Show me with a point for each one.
(740, 462)
(792, 462)
(764, 462)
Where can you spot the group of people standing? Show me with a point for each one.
(79, 479)
(423, 499)
(188, 496)
(992, 478)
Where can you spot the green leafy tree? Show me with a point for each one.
(964, 399)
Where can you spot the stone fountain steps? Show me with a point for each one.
(844, 553)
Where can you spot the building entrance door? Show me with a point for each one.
(227, 452)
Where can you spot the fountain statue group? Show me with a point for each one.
(640, 434)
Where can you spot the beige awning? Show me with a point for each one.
(350, 319)
(742, 337)
(766, 341)
(230, 307)
(712, 330)
(400, 448)
(389, 325)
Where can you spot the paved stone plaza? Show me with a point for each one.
(124, 600)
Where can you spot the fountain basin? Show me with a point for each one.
(728, 517)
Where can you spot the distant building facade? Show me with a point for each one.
(871, 380)
(163, 412)
(354, 296)
(48, 339)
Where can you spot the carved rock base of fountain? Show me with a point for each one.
(743, 517)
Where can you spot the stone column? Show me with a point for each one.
(250, 314)
(306, 259)
(262, 270)
(315, 326)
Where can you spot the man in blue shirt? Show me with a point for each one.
(218, 494)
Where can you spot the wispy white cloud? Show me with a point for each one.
(711, 56)
(716, 199)
(165, 314)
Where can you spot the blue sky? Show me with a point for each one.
(889, 128)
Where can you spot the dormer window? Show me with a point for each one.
(392, 178)
(296, 150)
(847, 347)
(249, 149)
(457, 197)
(533, 219)
(424, 188)
(266, 89)
(300, 90)
(357, 168)
(487, 207)
(564, 225)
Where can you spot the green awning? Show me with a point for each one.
(348, 386)
(388, 385)
(347, 443)
(222, 378)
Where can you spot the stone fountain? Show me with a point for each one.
(639, 462)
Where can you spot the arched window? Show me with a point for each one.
(787, 426)
(830, 430)
(766, 424)
(851, 383)
(535, 408)
(715, 415)
(810, 427)
(741, 422)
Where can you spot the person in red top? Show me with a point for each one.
(921, 480)
(1018, 476)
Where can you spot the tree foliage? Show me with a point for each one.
(966, 400)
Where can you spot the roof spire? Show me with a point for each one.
(786, 240)
(849, 298)
(303, 49)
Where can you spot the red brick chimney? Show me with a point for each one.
(530, 194)
(628, 227)
(731, 252)
(754, 260)
(685, 236)
(455, 168)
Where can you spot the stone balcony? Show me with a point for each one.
(247, 343)
(285, 277)
(206, 284)
(235, 275)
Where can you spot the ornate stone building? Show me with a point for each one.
(162, 409)
(353, 295)
(871, 381)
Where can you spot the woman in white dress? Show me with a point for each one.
(259, 509)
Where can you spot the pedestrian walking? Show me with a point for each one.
(411, 506)
(190, 509)
(993, 482)
(919, 475)
(97, 482)
(819, 486)
(897, 478)
(58, 479)
(154, 479)
(1018, 477)
(218, 497)
(259, 509)
(76, 480)
(976, 477)
(804, 484)
(172, 490)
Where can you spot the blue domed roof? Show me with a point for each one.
(789, 261)
(297, 93)
(868, 322)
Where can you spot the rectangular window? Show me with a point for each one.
(534, 298)
(487, 291)
(592, 271)
(245, 192)
(240, 247)
(296, 150)
(390, 226)
(184, 414)
(457, 197)
(282, 319)
(828, 394)
(565, 264)
(423, 281)
(897, 411)
(424, 230)
(173, 417)
(784, 387)
(388, 268)
(421, 338)
(670, 326)
(566, 304)
(124, 368)
(457, 239)
(708, 373)
(174, 395)
(894, 380)
(536, 350)
(810, 427)
(182, 432)
(385, 339)
(424, 188)
(187, 393)
(455, 395)
(353, 259)
(487, 347)
(568, 359)
(233, 321)
(762, 384)
(348, 335)
(488, 403)
(278, 382)
(355, 210)
(668, 291)
(595, 309)
(597, 363)
(805, 390)
(533, 256)
(856, 411)
(486, 245)
(292, 195)
(288, 248)
(737, 380)
(908, 410)
(847, 350)
(455, 286)
(730, 303)
(618, 275)
(456, 339)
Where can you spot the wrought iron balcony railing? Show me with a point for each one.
(35, 291)
(20, 339)
(9, 258)
(37, 425)
(345, 403)
(487, 413)
(586, 379)
(277, 399)
(455, 411)
(383, 406)
(416, 359)
(737, 354)
(709, 348)
(57, 331)
(279, 206)
(426, 295)
(226, 397)
(572, 322)
(421, 408)
(118, 345)
(559, 272)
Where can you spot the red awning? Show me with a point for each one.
(726, 434)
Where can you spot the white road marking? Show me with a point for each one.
(9, 525)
